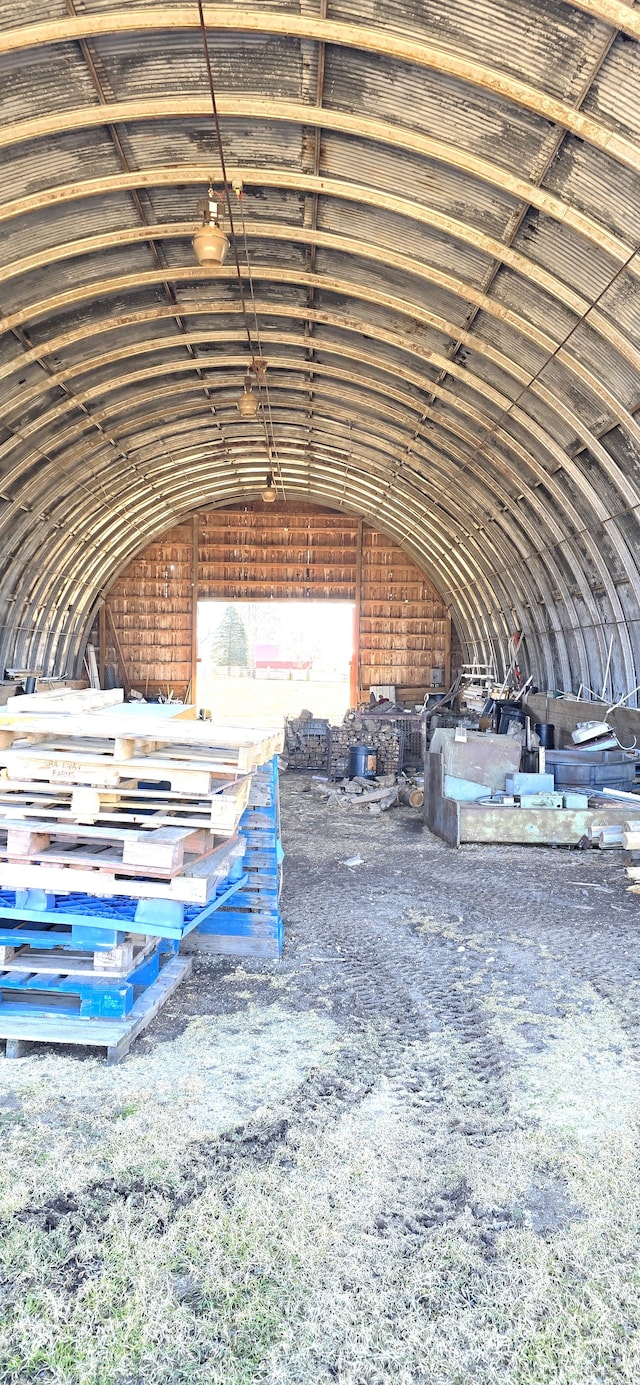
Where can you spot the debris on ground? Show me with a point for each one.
(377, 795)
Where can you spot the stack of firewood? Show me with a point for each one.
(371, 731)
(306, 742)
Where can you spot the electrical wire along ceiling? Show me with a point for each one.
(379, 256)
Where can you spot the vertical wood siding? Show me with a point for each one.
(259, 552)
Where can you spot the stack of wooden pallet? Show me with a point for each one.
(119, 835)
(248, 923)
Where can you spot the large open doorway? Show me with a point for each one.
(261, 661)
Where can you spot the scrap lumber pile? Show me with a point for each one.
(376, 795)
(119, 836)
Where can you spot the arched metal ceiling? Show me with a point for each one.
(442, 214)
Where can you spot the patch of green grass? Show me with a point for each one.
(382, 1241)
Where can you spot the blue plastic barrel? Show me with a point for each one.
(363, 762)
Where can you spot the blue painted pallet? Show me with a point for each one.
(33, 947)
(261, 898)
(96, 924)
(250, 923)
(20, 1026)
(241, 934)
(256, 916)
(99, 996)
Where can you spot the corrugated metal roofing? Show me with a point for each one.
(439, 196)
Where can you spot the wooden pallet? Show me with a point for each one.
(116, 1036)
(125, 742)
(196, 884)
(250, 924)
(90, 995)
(186, 770)
(218, 812)
(161, 851)
(118, 962)
(56, 763)
(75, 701)
(254, 944)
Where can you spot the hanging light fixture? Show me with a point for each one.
(248, 402)
(215, 244)
(210, 243)
(270, 494)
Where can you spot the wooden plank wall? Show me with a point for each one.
(266, 552)
(404, 627)
(151, 605)
(257, 552)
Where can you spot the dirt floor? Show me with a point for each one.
(408, 1153)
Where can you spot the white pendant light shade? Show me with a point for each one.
(210, 243)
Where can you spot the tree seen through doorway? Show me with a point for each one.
(230, 644)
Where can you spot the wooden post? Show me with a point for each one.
(355, 691)
(195, 544)
(102, 642)
(447, 650)
(126, 681)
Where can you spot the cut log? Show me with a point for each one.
(410, 796)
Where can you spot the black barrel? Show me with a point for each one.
(545, 731)
(363, 762)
